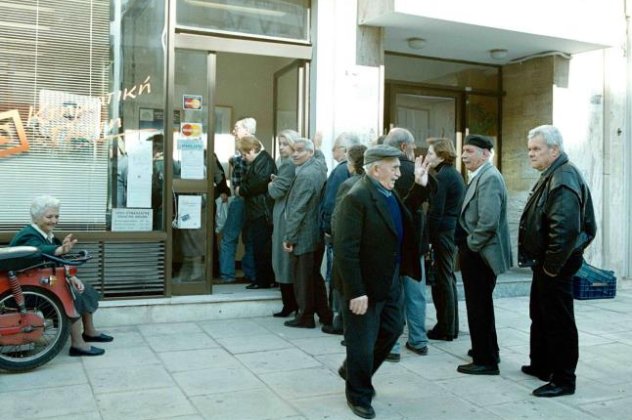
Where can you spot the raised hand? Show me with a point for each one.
(318, 140)
(421, 171)
(66, 245)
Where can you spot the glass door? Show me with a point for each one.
(482, 117)
(215, 81)
(192, 160)
(290, 98)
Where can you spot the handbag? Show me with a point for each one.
(221, 213)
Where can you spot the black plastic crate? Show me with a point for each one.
(594, 283)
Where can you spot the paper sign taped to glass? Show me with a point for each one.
(189, 212)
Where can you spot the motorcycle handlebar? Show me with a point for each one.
(73, 259)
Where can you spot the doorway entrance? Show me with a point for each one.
(443, 98)
(432, 112)
(213, 84)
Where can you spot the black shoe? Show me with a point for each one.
(329, 329)
(366, 412)
(299, 323)
(101, 338)
(342, 371)
(393, 357)
(285, 312)
(471, 354)
(472, 369)
(551, 390)
(94, 351)
(538, 373)
(433, 335)
(420, 351)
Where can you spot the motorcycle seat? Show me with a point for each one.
(18, 257)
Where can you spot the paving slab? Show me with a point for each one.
(256, 368)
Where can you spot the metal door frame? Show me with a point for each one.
(302, 106)
(212, 44)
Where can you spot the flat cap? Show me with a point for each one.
(479, 141)
(380, 152)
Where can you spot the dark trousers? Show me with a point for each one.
(554, 343)
(478, 282)
(444, 292)
(369, 339)
(261, 232)
(309, 288)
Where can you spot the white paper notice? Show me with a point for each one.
(132, 220)
(189, 212)
(192, 158)
(191, 148)
(139, 172)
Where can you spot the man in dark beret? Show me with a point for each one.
(482, 235)
(372, 248)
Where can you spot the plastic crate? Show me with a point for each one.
(594, 283)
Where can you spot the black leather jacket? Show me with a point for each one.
(254, 187)
(558, 219)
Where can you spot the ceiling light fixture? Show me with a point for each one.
(416, 43)
(498, 53)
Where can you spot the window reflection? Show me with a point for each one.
(272, 18)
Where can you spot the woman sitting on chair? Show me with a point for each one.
(45, 216)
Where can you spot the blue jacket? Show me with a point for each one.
(336, 178)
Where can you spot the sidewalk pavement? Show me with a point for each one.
(255, 368)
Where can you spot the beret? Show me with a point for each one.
(479, 141)
(380, 152)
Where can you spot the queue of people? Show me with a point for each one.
(379, 213)
(389, 209)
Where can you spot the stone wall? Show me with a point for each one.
(528, 102)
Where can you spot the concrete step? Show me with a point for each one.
(235, 301)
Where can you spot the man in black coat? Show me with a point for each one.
(557, 224)
(372, 247)
(414, 290)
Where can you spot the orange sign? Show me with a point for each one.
(11, 128)
(191, 129)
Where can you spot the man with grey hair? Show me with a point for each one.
(373, 246)
(482, 235)
(303, 237)
(414, 290)
(337, 176)
(557, 224)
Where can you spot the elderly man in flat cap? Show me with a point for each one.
(482, 235)
(372, 247)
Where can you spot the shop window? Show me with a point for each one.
(81, 111)
(286, 19)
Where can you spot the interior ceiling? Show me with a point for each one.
(459, 41)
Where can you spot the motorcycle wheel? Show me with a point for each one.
(57, 327)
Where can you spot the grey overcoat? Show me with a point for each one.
(484, 218)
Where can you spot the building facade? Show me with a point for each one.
(86, 85)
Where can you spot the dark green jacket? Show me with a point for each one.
(28, 236)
